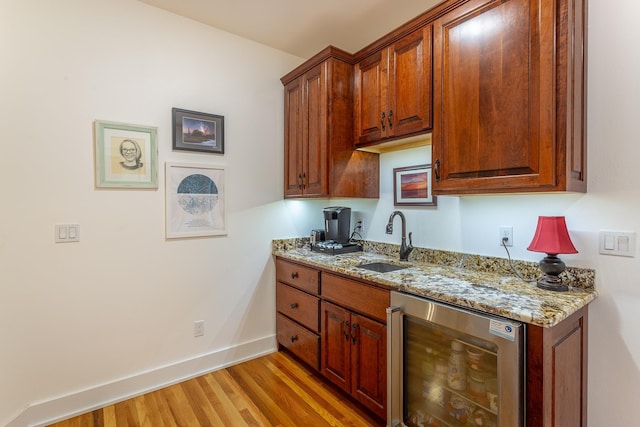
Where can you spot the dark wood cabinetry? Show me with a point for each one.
(557, 373)
(354, 355)
(340, 330)
(501, 84)
(354, 339)
(320, 160)
(297, 315)
(392, 90)
(509, 97)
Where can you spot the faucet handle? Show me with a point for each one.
(410, 241)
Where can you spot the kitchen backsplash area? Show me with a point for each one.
(582, 278)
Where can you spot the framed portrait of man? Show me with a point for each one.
(126, 155)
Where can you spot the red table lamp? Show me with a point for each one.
(552, 238)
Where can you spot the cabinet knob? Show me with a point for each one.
(389, 119)
(294, 338)
(346, 330)
(353, 333)
(436, 170)
(294, 305)
(304, 180)
(294, 275)
(382, 121)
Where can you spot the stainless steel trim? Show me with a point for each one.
(394, 366)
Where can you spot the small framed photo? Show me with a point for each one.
(126, 156)
(412, 186)
(201, 132)
(195, 200)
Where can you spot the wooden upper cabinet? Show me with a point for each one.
(392, 91)
(306, 154)
(509, 97)
(320, 160)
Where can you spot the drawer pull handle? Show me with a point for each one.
(294, 305)
(382, 121)
(294, 275)
(294, 338)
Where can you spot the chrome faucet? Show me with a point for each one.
(404, 249)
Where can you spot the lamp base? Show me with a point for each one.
(552, 266)
(552, 283)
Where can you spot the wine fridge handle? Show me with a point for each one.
(394, 366)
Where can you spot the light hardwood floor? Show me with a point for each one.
(273, 390)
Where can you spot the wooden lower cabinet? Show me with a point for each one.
(298, 340)
(354, 355)
(297, 311)
(557, 373)
(336, 326)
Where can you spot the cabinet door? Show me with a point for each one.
(409, 94)
(494, 97)
(371, 98)
(336, 345)
(293, 138)
(315, 164)
(557, 372)
(369, 363)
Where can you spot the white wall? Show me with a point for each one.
(120, 304)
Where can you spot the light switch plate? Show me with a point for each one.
(618, 243)
(66, 233)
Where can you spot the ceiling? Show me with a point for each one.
(302, 27)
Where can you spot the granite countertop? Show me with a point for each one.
(467, 281)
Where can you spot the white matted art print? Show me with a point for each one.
(195, 200)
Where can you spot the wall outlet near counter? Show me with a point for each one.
(506, 232)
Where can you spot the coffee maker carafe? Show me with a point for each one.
(337, 223)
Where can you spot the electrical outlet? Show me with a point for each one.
(361, 220)
(198, 328)
(506, 232)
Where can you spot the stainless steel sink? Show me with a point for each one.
(381, 267)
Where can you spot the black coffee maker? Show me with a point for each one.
(337, 223)
(337, 229)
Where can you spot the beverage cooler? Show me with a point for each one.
(452, 367)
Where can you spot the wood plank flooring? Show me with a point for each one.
(273, 390)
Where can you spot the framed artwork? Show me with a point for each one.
(412, 186)
(195, 200)
(126, 156)
(201, 132)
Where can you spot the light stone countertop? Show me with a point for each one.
(501, 293)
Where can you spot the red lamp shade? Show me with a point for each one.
(552, 236)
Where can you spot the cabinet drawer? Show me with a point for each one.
(299, 306)
(301, 342)
(357, 296)
(296, 275)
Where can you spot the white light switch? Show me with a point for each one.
(618, 243)
(66, 233)
(609, 242)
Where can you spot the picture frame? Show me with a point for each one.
(126, 155)
(412, 186)
(195, 200)
(199, 132)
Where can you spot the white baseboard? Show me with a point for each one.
(60, 408)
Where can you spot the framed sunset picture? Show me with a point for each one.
(412, 186)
